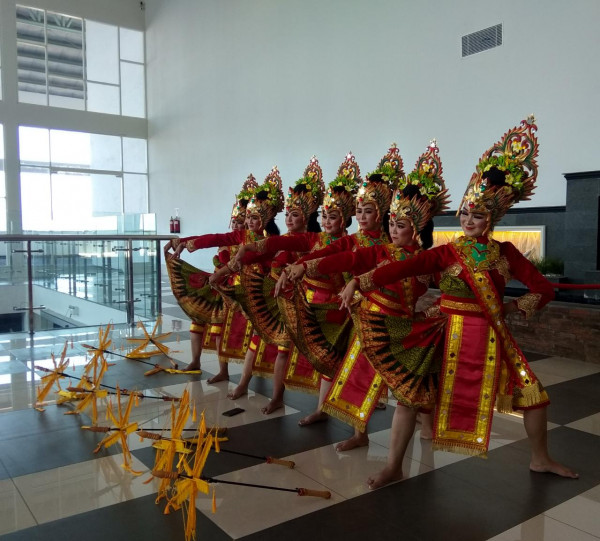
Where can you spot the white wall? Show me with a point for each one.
(237, 86)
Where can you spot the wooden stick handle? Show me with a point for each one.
(97, 428)
(317, 493)
(288, 463)
(149, 435)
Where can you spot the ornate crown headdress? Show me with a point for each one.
(341, 191)
(308, 201)
(378, 186)
(268, 207)
(513, 157)
(243, 198)
(422, 193)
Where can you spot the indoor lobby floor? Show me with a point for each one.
(53, 486)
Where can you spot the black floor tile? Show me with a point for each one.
(566, 404)
(132, 520)
(432, 507)
(43, 451)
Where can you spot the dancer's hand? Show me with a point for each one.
(281, 284)
(295, 272)
(180, 248)
(167, 248)
(218, 276)
(237, 260)
(347, 294)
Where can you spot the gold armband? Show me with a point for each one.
(528, 303)
(365, 282)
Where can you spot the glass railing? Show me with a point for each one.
(62, 281)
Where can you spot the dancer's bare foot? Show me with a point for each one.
(551, 466)
(385, 477)
(315, 417)
(237, 392)
(358, 440)
(217, 378)
(272, 406)
(194, 365)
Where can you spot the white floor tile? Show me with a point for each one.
(14, 514)
(543, 528)
(559, 369)
(245, 510)
(82, 487)
(589, 424)
(346, 473)
(581, 512)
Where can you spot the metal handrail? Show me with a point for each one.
(84, 236)
(128, 239)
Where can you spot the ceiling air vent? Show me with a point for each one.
(482, 40)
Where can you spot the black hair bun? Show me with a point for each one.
(495, 176)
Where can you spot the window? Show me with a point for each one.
(0, 75)
(66, 61)
(76, 181)
(2, 184)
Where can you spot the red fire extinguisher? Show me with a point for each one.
(176, 222)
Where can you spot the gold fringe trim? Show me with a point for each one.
(465, 449)
(262, 374)
(504, 404)
(531, 395)
(347, 418)
(302, 388)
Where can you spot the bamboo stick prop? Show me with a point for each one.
(219, 432)
(125, 392)
(268, 459)
(123, 429)
(156, 368)
(150, 432)
(139, 394)
(300, 491)
(52, 377)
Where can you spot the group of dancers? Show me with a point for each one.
(338, 314)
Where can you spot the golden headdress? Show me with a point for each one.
(309, 200)
(378, 186)
(341, 191)
(422, 193)
(505, 174)
(267, 199)
(243, 198)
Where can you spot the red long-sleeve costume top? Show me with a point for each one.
(294, 246)
(508, 263)
(398, 297)
(230, 240)
(349, 242)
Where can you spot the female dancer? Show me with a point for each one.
(203, 304)
(482, 364)
(237, 330)
(388, 315)
(337, 211)
(372, 204)
(301, 214)
(264, 205)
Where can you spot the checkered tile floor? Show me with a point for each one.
(52, 485)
